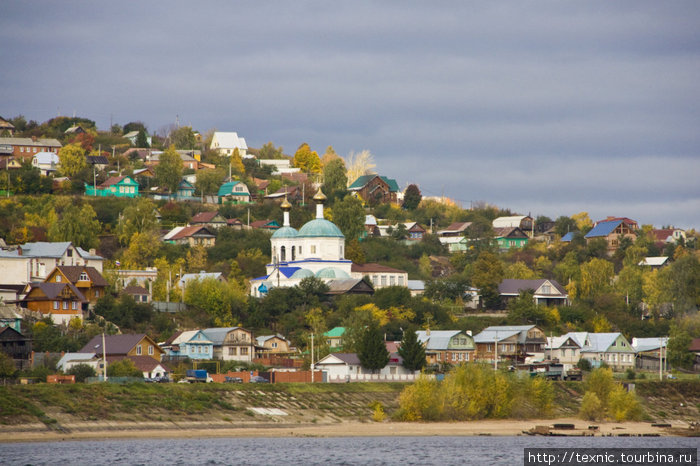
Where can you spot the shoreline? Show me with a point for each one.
(162, 430)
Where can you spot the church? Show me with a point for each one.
(317, 249)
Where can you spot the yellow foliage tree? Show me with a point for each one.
(583, 221)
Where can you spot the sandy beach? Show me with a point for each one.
(124, 430)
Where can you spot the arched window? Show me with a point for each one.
(283, 254)
(293, 253)
(274, 253)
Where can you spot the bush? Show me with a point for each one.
(623, 405)
(418, 401)
(82, 372)
(591, 407)
(606, 398)
(630, 374)
(584, 364)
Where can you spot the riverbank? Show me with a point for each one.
(101, 430)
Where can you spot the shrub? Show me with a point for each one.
(591, 407)
(82, 372)
(584, 364)
(630, 374)
(419, 402)
(623, 405)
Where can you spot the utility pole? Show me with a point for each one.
(104, 357)
(495, 354)
(312, 358)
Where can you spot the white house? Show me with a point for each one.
(282, 166)
(565, 348)
(611, 348)
(231, 343)
(346, 367)
(70, 360)
(226, 142)
(46, 162)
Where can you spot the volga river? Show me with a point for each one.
(311, 451)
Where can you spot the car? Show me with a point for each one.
(258, 379)
(233, 380)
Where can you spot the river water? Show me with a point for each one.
(312, 451)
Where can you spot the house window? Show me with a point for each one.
(400, 280)
(383, 280)
(231, 351)
(74, 305)
(58, 279)
(65, 304)
(55, 304)
(83, 277)
(375, 279)
(299, 250)
(490, 348)
(392, 280)
(244, 351)
(294, 256)
(274, 345)
(150, 350)
(97, 293)
(139, 351)
(439, 355)
(341, 252)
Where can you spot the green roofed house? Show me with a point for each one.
(117, 186)
(334, 338)
(375, 189)
(234, 192)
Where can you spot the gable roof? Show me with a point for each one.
(204, 217)
(514, 286)
(227, 189)
(509, 232)
(341, 286)
(595, 342)
(73, 272)
(501, 332)
(362, 181)
(45, 158)
(603, 229)
(53, 290)
(228, 140)
(335, 332)
(187, 232)
(654, 261)
(111, 181)
(217, 335)
(350, 359)
(436, 339)
(114, 344)
(508, 222)
(567, 238)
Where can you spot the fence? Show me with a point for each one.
(163, 306)
(376, 378)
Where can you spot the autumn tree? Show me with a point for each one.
(236, 163)
(225, 302)
(169, 169)
(137, 218)
(141, 251)
(183, 138)
(359, 164)
(596, 278)
(209, 181)
(307, 160)
(412, 197)
(77, 224)
(72, 159)
(335, 181)
(486, 274)
(329, 155)
(268, 151)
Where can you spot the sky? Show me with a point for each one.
(545, 108)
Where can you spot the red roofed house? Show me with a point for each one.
(381, 276)
(665, 236)
(194, 235)
(211, 219)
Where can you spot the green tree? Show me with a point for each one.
(678, 343)
(349, 216)
(137, 218)
(335, 181)
(134, 126)
(123, 368)
(141, 252)
(72, 159)
(564, 225)
(77, 224)
(307, 160)
(7, 366)
(268, 151)
(141, 139)
(487, 273)
(82, 372)
(412, 197)
(596, 278)
(209, 181)
(372, 351)
(183, 138)
(412, 351)
(169, 169)
(225, 303)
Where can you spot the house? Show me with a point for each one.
(6, 128)
(123, 345)
(33, 261)
(569, 237)
(334, 338)
(226, 142)
(189, 159)
(375, 189)
(211, 219)
(132, 135)
(346, 367)
(414, 232)
(99, 162)
(523, 222)
(349, 286)
(446, 346)
(149, 367)
(272, 345)
(612, 229)
(371, 226)
(612, 349)
(9, 317)
(233, 192)
(654, 262)
(279, 166)
(232, 343)
(416, 287)
(74, 130)
(26, 148)
(455, 229)
(193, 344)
(267, 225)
(46, 162)
(70, 360)
(86, 279)
(60, 301)
(195, 235)
(17, 346)
(665, 236)
(566, 349)
(380, 276)
(236, 224)
(513, 343)
(188, 277)
(292, 194)
(694, 348)
(510, 238)
(650, 352)
(185, 191)
(455, 243)
(138, 293)
(117, 186)
(545, 292)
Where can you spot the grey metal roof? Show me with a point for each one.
(649, 344)
(437, 340)
(498, 333)
(217, 335)
(347, 358)
(515, 286)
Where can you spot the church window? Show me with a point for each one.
(313, 249)
(283, 254)
(293, 253)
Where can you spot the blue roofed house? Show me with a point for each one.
(375, 189)
(193, 344)
(613, 229)
(610, 348)
(447, 346)
(233, 192)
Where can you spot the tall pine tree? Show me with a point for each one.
(372, 350)
(412, 351)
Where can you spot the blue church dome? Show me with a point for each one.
(302, 273)
(320, 227)
(285, 232)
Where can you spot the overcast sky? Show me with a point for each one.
(545, 107)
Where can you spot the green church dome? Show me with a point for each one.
(332, 272)
(320, 227)
(285, 232)
(302, 273)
